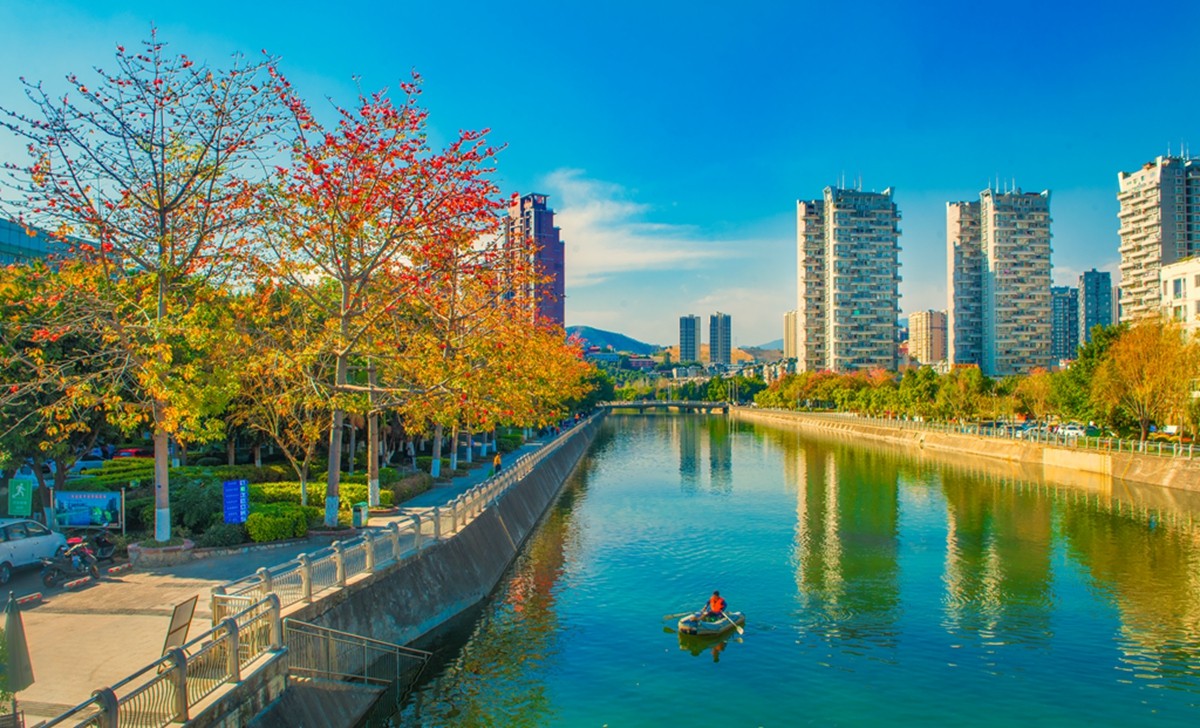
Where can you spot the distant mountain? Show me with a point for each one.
(605, 339)
(776, 344)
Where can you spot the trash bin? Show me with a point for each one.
(360, 514)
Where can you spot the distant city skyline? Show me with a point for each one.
(674, 149)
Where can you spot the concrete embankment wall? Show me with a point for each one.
(1055, 463)
(404, 602)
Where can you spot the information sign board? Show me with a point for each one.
(237, 501)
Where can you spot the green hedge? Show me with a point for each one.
(508, 443)
(289, 492)
(279, 521)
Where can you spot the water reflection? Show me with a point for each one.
(1150, 568)
(998, 577)
(846, 544)
(691, 435)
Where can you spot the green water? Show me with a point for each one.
(876, 587)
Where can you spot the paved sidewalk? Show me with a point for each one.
(83, 640)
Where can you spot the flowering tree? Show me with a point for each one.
(362, 200)
(144, 174)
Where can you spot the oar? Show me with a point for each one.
(735, 624)
(676, 616)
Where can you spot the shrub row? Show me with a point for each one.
(289, 492)
(278, 521)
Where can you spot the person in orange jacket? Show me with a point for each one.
(715, 607)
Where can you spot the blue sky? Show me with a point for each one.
(675, 137)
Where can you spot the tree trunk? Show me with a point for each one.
(435, 467)
(231, 450)
(353, 454)
(258, 455)
(372, 445)
(454, 448)
(334, 472)
(162, 499)
(470, 444)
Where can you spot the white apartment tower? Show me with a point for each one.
(964, 284)
(927, 336)
(849, 280)
(789, 335)
(1015, 231)
(1160, 225)
(810, 278)
(998, 276)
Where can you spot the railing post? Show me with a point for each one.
(339, 562)
(276, 623)
(416, 518)
(305, 577)
(233, 647)
(265, 577)
(109, 707)
(394, 534)
(215, 592)
(437, 523)
(369, 545)
(454, 514)
(179, 681)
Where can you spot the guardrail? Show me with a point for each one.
(164, 691)
(308, 575)
(1103, 444)
(320, 652)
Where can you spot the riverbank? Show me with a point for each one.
(1052, 461)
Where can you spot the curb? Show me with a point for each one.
(122, 568)
(29, 599)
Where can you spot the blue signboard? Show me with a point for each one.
(237, 501)
(86, 508)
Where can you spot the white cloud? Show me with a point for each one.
(605, 235)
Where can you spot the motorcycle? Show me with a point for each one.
(70, 563)
(100, 545)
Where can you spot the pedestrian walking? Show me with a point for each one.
(496, 463)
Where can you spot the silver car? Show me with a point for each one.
(25, 543)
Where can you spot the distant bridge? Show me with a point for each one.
(667, 405)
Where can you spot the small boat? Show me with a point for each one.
(710, 627)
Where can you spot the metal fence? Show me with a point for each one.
(163, 692)
(307, 576)
(321, 652)
(1037, 435)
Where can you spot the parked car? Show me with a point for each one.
(1071, 430)
(25, 543)
(134, 452)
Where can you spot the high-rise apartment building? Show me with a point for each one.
(1012, 296)
(789, 335)
(964, 284)
(810, 279)
(1095, 303)
(1064, 323)
(1160, 225)
(927, 336)
(689, 338)
(849, 276)
(530, 230)
(719, 339)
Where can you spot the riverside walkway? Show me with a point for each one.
(83, 640)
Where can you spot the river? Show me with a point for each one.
(877, 587)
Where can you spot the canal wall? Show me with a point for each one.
(409, 600)
(1090, 467)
